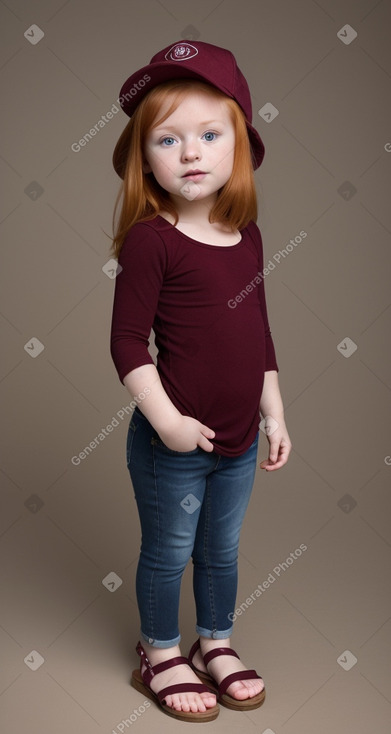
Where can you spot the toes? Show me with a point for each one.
(183, 704)
(193, 704)
(209, 699)
(254, 687)
(199, 704)
(186, 703)
(178, 702)
(238, 690)
(243, 689)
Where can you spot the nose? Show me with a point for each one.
(191, 151)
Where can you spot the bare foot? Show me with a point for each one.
(190, 701)
(224, 665)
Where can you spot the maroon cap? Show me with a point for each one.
(194, 60)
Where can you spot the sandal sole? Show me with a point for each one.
(201, 716)
(228, 701)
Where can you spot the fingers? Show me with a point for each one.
(204, 444)
(274, 449)
(269, 466)
(278, 456)
(206, 433)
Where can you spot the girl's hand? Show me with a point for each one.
(279, 448)
(186, 434)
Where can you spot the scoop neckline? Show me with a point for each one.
(203, 244)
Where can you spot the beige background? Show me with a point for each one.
(64, 528)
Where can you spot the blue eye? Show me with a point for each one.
(209, 139)
(170, 141)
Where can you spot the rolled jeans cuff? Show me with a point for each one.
(160, 643)
(214, 634)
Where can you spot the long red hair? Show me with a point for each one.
(142, 198)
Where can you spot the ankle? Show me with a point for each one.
(159, 654)
(208, 643)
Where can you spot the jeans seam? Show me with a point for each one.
(209, 573)
(150, 613)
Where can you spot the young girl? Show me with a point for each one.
(192, 261)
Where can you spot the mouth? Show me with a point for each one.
(195, 175)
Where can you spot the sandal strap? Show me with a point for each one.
(152, 670)
(233, 677)
(240, 675)
(183, 688)
(219, 651)
(194, 648)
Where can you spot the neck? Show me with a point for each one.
(194, 211)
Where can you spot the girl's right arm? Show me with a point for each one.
(177, 431)
(143, 261)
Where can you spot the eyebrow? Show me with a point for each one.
(202, 124)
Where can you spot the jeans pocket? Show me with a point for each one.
(129, 440)
(158, 443)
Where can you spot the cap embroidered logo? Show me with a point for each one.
(181, 52)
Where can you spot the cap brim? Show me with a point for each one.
(256, 144)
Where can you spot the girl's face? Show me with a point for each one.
(199, 136)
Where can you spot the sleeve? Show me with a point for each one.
(270, 361)
(143, 261)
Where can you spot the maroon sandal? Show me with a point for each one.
(221, 689)
(141, 681)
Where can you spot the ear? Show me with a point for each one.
(146, 167)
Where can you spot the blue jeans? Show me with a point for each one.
(191, 505)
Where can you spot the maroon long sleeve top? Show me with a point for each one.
(206, 305)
